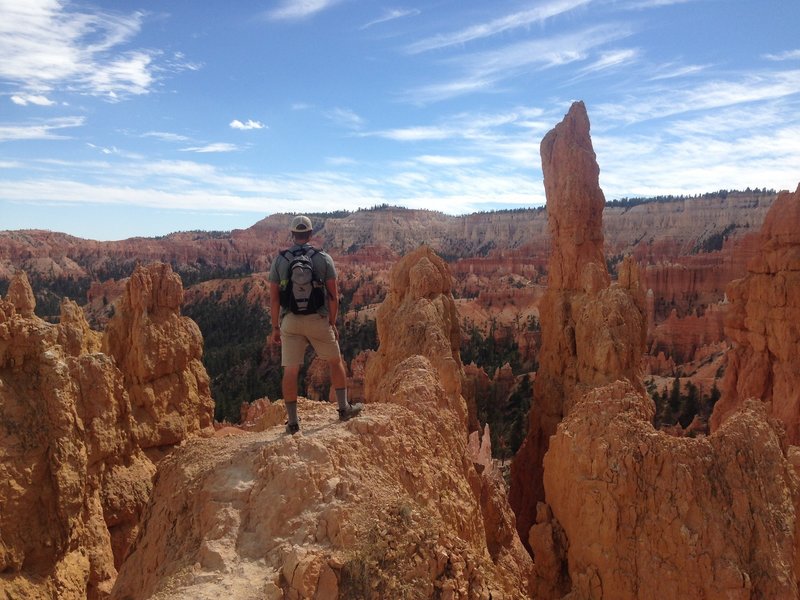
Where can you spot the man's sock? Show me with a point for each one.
(341, 398)
(291, 411)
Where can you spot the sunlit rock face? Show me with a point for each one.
(763, 321)
(394, 503)
(610, 507)
(159, 353)
(73, 481)
(592, 333)
(634, 513)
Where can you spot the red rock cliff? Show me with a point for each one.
(73, 481)
(592, 334)
(763, 321)
(159, 353)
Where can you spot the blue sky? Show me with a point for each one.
(148, 117)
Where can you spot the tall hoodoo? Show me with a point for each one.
(621, 510)
(418, 328)
(592, 333)
(421, 298)
(574, 205)
(72, 479)
(159, 353)
(763, 320)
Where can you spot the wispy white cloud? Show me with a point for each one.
(215, 147)
(787, 55)
(510, 137)
(662, 102)
(450, 89)
(391, 15)
(673, 71)
(245, 125)
(131, 74)
(640, 4)
(37, 99)
(104, 150)
(166, 136)
(345, 117)
(415, 134)
(733, 121)
(496, 26)
(448, 161)
(544, 52)
(699, 163)
(43, 130)
(295, 10)
(611, 60)
(189, 185)
(48, 44)
(484, 70)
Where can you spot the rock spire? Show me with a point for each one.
(592, 333)
(763, 321)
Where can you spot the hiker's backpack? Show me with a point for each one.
(301, 292)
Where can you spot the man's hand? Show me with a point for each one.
(335, 330)
(275, 337)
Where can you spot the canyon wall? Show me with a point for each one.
(516, 240)
(623, 511)
(394, 503)
(74, 477)
(763, 321)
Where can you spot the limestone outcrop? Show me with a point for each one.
(623, 511)
(159, 353)
(633, 513)
(763, 321)
(592, 333)
(392, 504)
(419, 298)
(73, 481)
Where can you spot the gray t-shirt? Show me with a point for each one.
(324, 270)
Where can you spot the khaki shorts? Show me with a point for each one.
(298, 331)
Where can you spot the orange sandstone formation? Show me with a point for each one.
(73, 477)
(159, 353)
(73, 481)
(420, 297)
(763, 321)
(626, 512)
(592, 333)
(633, 513)
(392, 504)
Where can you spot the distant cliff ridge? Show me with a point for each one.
(688, 225)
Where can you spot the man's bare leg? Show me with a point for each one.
(339, 383)
(289, 386)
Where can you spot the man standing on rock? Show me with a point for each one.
(304, 302)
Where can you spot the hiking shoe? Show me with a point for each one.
(352, 410)
(292, 428)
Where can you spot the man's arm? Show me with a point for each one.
(275, 311)
(333, 301)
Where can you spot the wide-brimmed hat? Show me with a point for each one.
(301, 224)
